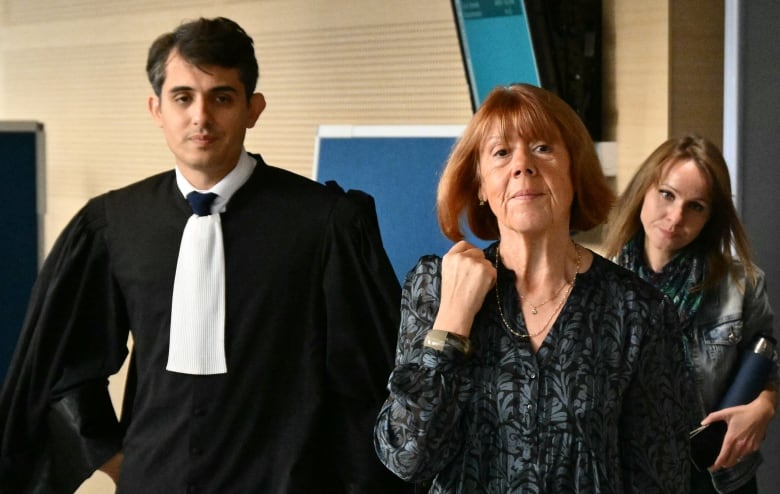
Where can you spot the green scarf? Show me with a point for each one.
(676, 280)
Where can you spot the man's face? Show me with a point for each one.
(204, 115)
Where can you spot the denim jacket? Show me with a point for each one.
(724, 327)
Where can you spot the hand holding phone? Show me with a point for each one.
(706, 442)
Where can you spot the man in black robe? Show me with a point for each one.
(308, 327)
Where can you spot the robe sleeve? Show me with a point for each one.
(57, 423)
(362, 297)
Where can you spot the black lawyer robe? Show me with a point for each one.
(311, 322)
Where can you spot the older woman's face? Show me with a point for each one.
(527, 183)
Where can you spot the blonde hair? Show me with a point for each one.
(722, 230)
(533, 113)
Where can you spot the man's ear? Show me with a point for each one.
(154, 109)
(256, 107)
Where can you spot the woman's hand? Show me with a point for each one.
(747, 426)
(466, 278)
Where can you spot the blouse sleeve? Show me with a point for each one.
(362, 295)
(417, 432)
(57, 423)
(655, 423)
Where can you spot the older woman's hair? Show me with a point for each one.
(534, 114)
(722, 230)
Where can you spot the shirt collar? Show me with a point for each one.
(226, 187)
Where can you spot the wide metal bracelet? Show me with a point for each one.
(437, 339)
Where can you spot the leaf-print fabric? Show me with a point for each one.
(600, 408)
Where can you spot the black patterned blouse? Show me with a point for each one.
(600, 408)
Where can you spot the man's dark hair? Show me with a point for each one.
(204, 42)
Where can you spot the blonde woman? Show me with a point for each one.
(676, 226)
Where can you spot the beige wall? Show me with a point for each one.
(641, 87)
(78, 67)
(696, 65)
(668, 72)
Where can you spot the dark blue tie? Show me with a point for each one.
(200, 202)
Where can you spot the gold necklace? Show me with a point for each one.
(570, 286)
(534, 308)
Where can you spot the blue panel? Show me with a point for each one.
(402, 174)
(18, 236)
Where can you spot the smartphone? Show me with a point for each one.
(706, 442)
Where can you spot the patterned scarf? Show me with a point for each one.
(676, 280)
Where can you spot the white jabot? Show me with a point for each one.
(197, 334)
